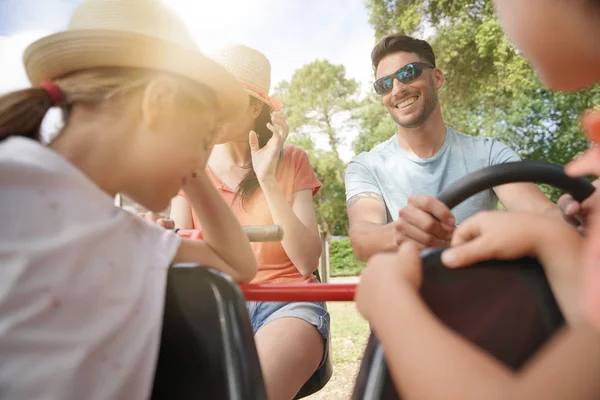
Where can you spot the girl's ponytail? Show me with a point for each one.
(22, 112)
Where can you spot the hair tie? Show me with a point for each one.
(53, 91)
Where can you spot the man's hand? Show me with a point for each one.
(426, 221)
(158, 219)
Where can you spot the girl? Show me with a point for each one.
(560, 39)
(266, 183)
(82, 282)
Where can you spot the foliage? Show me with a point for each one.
(342, 261)
(320, 98)
(489, 87)
(317, 94)
(376, 125)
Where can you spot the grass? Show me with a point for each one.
(349, 334)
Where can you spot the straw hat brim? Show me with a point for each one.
(260, 98)
(63, 53)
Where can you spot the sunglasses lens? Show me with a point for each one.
(406, 74)
(409, 73)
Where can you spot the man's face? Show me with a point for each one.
(410, 104)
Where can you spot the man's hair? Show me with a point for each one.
(395, 43)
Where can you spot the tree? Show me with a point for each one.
(490, 88)
(317, 94)
(376, 125)
(319, 100)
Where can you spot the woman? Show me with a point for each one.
(267, 183)
(82, 282)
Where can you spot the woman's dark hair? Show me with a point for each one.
(396, 43)
(249, 184)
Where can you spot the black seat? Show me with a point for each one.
(505, 308)
(319, 379)
(207, 349)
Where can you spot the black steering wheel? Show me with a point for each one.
(505, 307)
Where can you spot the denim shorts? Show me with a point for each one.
(315, 314)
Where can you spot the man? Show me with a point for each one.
(391, 189)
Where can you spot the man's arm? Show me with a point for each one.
(519, 197)
(526, 197)
(369, 233)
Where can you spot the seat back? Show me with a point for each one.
(504, 307)
(207, 347)
(321, 376)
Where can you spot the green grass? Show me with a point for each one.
(349, 334)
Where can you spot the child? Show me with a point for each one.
(427, 360)
(82, 282)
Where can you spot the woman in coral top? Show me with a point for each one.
(268, 183)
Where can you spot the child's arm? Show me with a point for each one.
(510, 235)
(181, 213)
(225, 246)
(429, 361)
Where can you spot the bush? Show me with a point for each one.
(342, 261)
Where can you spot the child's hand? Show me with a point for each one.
(158, 219)
(386, 273)
(587, 164)
(508, 235)
(494, 235)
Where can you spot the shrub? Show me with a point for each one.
(342, 261)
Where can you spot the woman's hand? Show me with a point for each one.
(265, 160)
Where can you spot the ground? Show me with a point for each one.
(349, 334)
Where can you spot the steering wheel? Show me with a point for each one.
(506, 307)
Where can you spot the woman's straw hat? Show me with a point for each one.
(251, 68)
(131, 33)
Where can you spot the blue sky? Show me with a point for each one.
(291, 33)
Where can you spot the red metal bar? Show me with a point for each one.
(299, 292)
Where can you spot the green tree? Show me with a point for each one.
(490, 88)
(376, 125)
(319, 99)
(317, 94)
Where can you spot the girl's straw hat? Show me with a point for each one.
(251, 68)
(131, 33)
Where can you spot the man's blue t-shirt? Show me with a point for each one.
(393, 173)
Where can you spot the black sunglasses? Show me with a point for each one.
(405, 74)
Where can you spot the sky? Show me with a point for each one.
(291, 33)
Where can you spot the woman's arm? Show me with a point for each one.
(225, 246)
(301, 240)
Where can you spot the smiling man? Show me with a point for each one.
(391, 189)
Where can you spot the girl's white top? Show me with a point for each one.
(82, 283)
